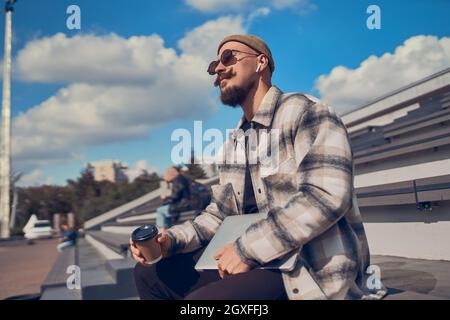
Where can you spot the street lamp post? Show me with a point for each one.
(5, 157)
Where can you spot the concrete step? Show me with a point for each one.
(122, 271)
(119, 266)
(122, 229)
(95, 279)
(129, 223)
(146, 208)
(103, 279)
(100, 278)
(127, 227)
(147, 216)
(116, 242)
(129, 208)
(60, 293)
(54, 286)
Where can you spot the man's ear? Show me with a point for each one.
(264, 61)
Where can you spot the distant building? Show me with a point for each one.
(108, 170)
(401, 147)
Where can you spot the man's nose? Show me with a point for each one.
(219, 68)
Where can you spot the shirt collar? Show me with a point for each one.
(266, 109)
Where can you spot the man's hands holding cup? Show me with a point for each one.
(228, 261)
(163, 239)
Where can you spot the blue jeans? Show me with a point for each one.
(163, 217)
(60, 247)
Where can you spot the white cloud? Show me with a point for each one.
(118, 89)
(202, 41)
(215, 6)
(259, 12)
(418, 57)
(136, 170)
(300, 6)
(84, 115)
(35, 178)
(94, 59)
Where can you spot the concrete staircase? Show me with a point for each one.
(103, 254)
(126, 226)
(101, 277)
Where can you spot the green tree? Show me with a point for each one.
(194, 171)
(84, 196)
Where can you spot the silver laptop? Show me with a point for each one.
(231, 229)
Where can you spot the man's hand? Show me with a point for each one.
(135, 253)
(163, 240)
(229, 262)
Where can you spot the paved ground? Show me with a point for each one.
(414, 278)
(23, 267)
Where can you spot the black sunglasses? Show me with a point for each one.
(225, 59)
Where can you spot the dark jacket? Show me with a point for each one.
(180, 199)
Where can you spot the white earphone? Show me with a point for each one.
(259, 67)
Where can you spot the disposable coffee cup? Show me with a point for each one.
(145, 239)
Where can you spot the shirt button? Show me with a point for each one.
(295, 291)
(259, 190)
(239, 193)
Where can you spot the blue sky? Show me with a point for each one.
(84, 95)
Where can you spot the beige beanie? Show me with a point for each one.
(253, 42)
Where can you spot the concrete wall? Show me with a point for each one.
(407, 232)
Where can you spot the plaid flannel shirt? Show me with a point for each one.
(308, 198)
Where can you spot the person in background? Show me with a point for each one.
(177, 202)
(68, 238)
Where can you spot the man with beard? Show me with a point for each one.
(308, 198)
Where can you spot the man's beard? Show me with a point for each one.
(234, 95)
